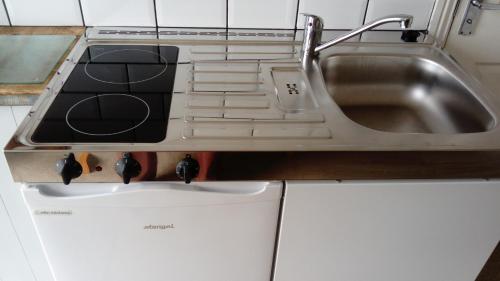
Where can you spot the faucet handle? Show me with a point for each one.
(310, 15)
(312, 20)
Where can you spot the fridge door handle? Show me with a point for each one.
(89, 190)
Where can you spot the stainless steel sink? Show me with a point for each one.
(403, 94)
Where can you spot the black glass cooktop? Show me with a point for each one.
(116, 93)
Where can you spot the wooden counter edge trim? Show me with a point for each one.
(42, 30)
(357, 165)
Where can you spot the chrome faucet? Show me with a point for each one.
(313, 27)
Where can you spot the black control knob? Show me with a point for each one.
(68, 168)
(187, 169)
(127, 168)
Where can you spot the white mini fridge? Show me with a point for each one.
(209, 231)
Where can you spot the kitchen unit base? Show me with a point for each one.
(387, 230)
(157, 231)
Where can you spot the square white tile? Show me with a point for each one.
(3, 15)
(262, 13)
(20, 112)
(336, 14)
(118, 12)
(46, 12)
(191, 13)
(421, 11)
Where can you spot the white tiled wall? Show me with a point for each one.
(262, 13)
(3, 15)
(194, 13)
(421, 10)
(118, 12)
(44, 12)
(282, 14)
(336, 14)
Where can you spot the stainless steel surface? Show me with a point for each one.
(313, 27)
(471, 16)
(403, 94)
(470, 19)
(485, 6)
(445, 108)
(293, 91)
(275, 124)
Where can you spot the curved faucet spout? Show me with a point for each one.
(314, 26)
(405, 22)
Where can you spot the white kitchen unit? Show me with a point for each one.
(157, 230)
(387, 230)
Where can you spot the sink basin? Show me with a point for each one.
(403, 94)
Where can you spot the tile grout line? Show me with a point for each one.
(366, 13)
(429, 21)
(156, 20)
(227, 15)
(364, 19)
(296, 16)
(448, 31)
(227, 26)
(432, 12)
(7, 12)
(81, 12)
(296, 21)
(13, 116)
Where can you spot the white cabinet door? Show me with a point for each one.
(387, 230)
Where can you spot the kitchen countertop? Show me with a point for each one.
(323, 165)
(231, 95)
(26, 94)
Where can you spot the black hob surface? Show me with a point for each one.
(116, 93)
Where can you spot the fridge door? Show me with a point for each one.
(157, 230)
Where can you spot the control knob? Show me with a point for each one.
(127, 168)
(187, 169)
(68, 168)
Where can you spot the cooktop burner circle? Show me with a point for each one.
(135, 99)
(162, 59)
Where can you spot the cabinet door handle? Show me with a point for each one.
(472, 13)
